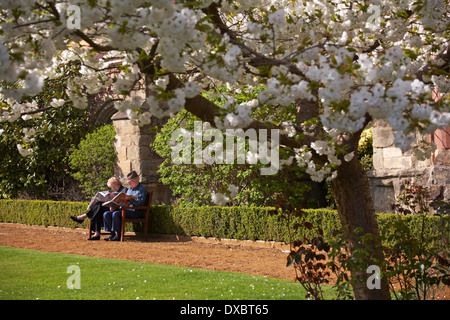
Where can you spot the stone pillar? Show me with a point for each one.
(134, 152)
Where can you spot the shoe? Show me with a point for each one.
(110, 237)
(76, 219)
(94, 238)
(116, 238)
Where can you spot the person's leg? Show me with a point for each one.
(108, 223)
(117, 218)
(116, 224)
(96, 217)
(97, 222)
(79, 218)
(107, 220)
(95, 208)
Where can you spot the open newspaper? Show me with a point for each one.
(119, 200)
(104, 196)
(101, 196)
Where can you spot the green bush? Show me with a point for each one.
(243, 223)
(391, 224)
(44, 173)
(92, 162)
(41, 212)
(195, 187)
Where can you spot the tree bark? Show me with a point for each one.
(355, 208)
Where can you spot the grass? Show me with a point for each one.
(30, 275)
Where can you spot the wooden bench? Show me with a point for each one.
(125, 220)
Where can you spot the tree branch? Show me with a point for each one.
(36, 111)
(94, 45)
(256, 58)
(207, 111)
(444, 55)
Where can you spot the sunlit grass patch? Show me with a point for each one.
(29, 275)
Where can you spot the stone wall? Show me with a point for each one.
(134, 153)
(392, 167)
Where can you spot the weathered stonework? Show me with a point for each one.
(392, 168)
(134, 152)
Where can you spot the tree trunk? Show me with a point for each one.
(356, 210)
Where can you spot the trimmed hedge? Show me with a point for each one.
(45, 213)
(243, 223)
(436, 229)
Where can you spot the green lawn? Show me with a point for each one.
(29, 275)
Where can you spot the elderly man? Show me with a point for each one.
(112, 219)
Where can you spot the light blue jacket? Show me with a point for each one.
(141, 195)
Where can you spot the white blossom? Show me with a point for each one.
(231, 57)
(24, 152)
(233, 190)
(278, 18)
(349, 156)
(191, 89)
(56, 103)
(299, 56)
(219, 199)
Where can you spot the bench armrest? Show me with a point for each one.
(137, 208)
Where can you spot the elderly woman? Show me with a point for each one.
(96, 210)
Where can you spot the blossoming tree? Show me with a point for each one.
(328, 67)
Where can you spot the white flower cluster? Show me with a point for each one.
(392, 102)
(28, 137)
(278, 19)
(223, 66)
(57, 103)
(94, 81)
(222, 199)
(441, 83)
(176, 30)
(240, 120)
(326, 171)
(311, 52)
(24, 152)
(231, 57)
(75, 94)
(278, 93)
(160, 108)
(132, 107)
(317, 173)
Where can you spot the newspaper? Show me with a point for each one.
(104, 196)
(120, 200)
(101, 196)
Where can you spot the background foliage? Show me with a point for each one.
(193, 184)
(92, 161)
(45, 173)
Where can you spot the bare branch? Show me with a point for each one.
(36, 111)
(34, 22)
(94, 45)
